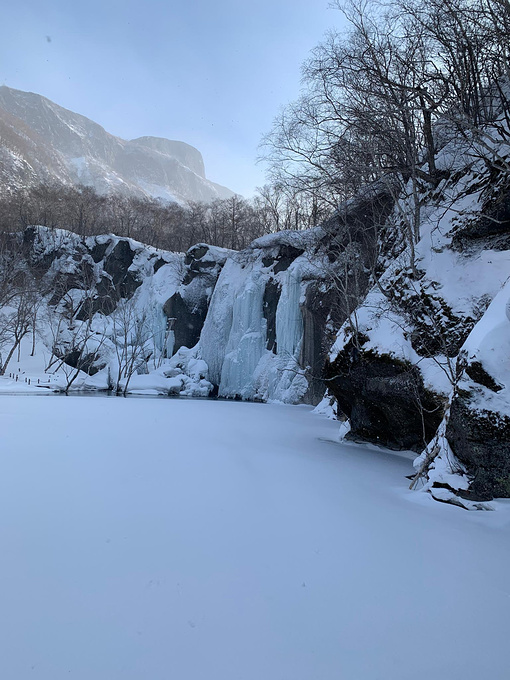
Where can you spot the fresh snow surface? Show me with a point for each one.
(165, 538)
(289, 237)
(489, 343)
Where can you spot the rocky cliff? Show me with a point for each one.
(423, 365)
(255, 320)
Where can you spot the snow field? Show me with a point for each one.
(158, 538)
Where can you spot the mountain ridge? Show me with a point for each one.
(42, 142)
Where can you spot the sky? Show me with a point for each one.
(212, 74)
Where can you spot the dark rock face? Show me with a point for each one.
(187, 308)
(160, 262)
(280, 257)
(481, 441)
(195, 253)
(434, 327)
(88, 363)
(198, 264)
(106, 295)
(269, 305)
(98, 251)
(359, 220)
(493, 225)
(106, 278)
(118, 261)
(315, 312)
(385, 400)
(354, 232)
(478, 374)
(286, 256)
(62, 284)
(104, 300)
(117, 264)
(189, 317)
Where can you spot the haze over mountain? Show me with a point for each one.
(43, 142)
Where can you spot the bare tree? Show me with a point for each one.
(19, 296)
(131, 337)
(76, 343)
(17, 320)
(374, 95)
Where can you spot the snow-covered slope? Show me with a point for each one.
(426, 367)
(43, 142)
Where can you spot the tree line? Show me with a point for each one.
(230, 223)
(382, 99)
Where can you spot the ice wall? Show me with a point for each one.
(218, 322)
(280, 377)
(234, 337)
(289, 320)
(247, 339)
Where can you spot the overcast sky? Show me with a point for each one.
(213, 74)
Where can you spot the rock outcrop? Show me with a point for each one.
(384, 398)
(422, 363)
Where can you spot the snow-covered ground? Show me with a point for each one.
(166, 538)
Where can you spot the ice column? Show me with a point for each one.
(289, 321)
(247, 340)
(216, 331)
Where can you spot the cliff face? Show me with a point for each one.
(260, 321)
(254, 332)
(254, 320)
(478, 427)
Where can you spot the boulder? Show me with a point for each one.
(384, 399)
(480, 439)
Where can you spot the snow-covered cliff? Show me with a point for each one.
(417, 338)
(213, 321)
(253, 334)
(424, 367)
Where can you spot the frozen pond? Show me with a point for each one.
(146, 539)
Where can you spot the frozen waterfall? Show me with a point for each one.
(234, 337)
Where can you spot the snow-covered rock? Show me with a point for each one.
(424, 358)
(478, 429)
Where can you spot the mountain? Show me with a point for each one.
(43, 142)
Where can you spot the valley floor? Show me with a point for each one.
(160, 538)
